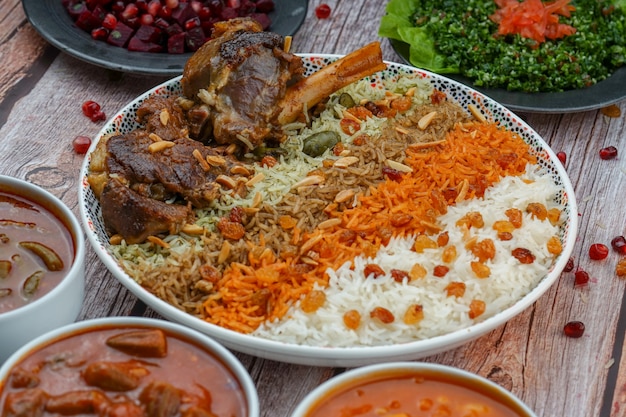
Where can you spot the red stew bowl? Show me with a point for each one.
(131, 366)
(41, 264)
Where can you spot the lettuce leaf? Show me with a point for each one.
(396, 24)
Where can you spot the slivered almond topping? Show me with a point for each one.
(402, 130)
(410, 92)
(476, 113)
(240, 170)
(326, 224)
(346, 161)
(164, 117)
(257, 200)
(215, 160)
(345, 152)
(287, 44)
(424, 145)
(251, 211)
(158, 241)
(462, 191)
(226, 181)
(203, 163)
(426, 120)
(224, 252)
(159, 146)
(192, 229)
(310, 180)
(154, 137)
(398, 166)
(344, 195)
(116, 239)
(231, 149)
(308, 245)
(309, 261)
(256, 179)
(348, 115)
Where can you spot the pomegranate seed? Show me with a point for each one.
(154, 7)
(141, 5)
(99, 34)
(574, 329)
(146, 19)
(99, 115)
(196, 5)
(569, 266)
(204, 13)
(90, 108)
(562, 157)
(609, 152)
(619, 245)
(130, 11)
(118, 6)
(192, 23)
(109, 21)
(581, 278)
(81, 144)
(598, 251)
(171, 4)
(322, 11)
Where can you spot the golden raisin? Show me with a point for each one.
(210, 273)
(612, 110)
(231, 230)
(440, 271)
(312, 301)
(484, 250)
(476, 308)
(554, 245)
(352, 319)
(417, 272)
(360, 140)
(443, 239)
(424, 242)
(382, 314)
(523, 255)
(338, 148)
(505, 236)
(455, 289)
(501, 226)
(449, 254)
(414, 314)
(537, 211)
(401, 104)
(554, 216)
(373, 269)
(400, 219)
(349, 126)
(471, 219)
(480, 269)
(620, 268)
(515, 217)
(287, 222)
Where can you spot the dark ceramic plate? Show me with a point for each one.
(51, 20)
(602, 94)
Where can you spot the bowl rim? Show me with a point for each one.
(356, 375)
(342, 356)
(225, 356)
(76, 230)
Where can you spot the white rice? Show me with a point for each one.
(509, 280)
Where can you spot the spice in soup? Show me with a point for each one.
(36, 251)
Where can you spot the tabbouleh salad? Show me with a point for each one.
(461, 37)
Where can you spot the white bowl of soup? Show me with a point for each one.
(42, 252)
(410, 389)
(126, 366)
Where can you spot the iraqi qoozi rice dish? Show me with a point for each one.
(392, 211)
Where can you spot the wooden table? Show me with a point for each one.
(41, 91)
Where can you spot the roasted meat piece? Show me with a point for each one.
(241, 75)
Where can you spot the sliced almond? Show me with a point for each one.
(326, 224)
(424, 145)
(215, 160)
(476, 113)
(164, 117)
(426, 120)
(224, 252)
(348, 115)
(346, 161)
(158, 241)
(287, 44)
(398, 166)
(255, 180)
(308, 245)
(192, 229)
(154, 137)
(343, 196)
(308, 181)
(116, 239)
(402, 130)
(462, 191)
(257, 200)
(159, 146)
(203, 163)
(240, 170)
(226, 181)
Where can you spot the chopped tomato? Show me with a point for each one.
(533, 19)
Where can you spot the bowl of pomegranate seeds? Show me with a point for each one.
(152, 37)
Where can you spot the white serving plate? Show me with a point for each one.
(124, 121)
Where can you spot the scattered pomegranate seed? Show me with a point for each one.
(574, 329)
(598, 251)
(562, 157)
(581, 278)
(322, 11)
(100, 34)
(92, 110)
(619, 245)
(81, 144)
(569, 266)
(109, 21)
(609, 152)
